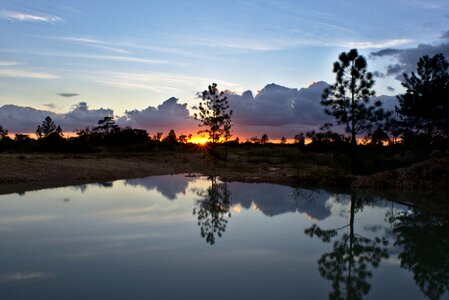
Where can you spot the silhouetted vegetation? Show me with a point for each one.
(424, 108)
(213, 209)
(347, 265)
(215, 117)
(348, 100)
(424, 241)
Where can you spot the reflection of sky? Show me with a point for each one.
(130, 242)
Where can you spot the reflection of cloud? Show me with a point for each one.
(273, 199)
(169, 186)
(20, 276)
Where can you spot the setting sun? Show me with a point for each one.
(199, 140)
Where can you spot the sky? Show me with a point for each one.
(149, 59)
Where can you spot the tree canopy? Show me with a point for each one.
(424, 107)
(48, 128)
(348, 99)
(214, 115)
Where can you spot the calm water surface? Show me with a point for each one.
(190, 237)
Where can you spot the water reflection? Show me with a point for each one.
(169, 186)
(140, 235)
(346, 266)
(424, 241)
(213, 209)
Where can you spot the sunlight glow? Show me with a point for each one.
(198, 140)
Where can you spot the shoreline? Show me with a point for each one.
(414, 185)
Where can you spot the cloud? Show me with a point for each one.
(378, 74)
(375, 44)
(275, 110)
(276, 43)
(445, 36)
(117, 46)
(21, 276)
(12, 15)
(395, 69)
(278, 110)
(390, 88)
(408, 57)
(50, 105)
(8, 63)
(169, 115)
(94, 43)
(113, 58)
(26, 119)
(68, 94)
(156, 81)
(81, 116)
(19, 73)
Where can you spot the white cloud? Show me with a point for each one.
(280, 43)
(94, 43)
(12, 15)
(113, 57)
(17, 73)
(157, 81)
(8, 63)
(376, 44)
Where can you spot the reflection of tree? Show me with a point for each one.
(213, 207)
(424, 239)
(347, 265)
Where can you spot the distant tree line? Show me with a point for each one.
(420, 119)
(107, 135)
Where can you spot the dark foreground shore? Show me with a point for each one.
(25, 172)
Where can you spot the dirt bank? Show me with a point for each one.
(31, 171)
(431, 174)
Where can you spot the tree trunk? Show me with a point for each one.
(353, 133)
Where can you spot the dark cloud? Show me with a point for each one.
(26, 119)
(395, 69)
(81, 116)
(378, 74)
(279, 110)
(68, 94)
(23, 119)
(169, 115)
(407, 58)
(390, 88)
(385, 52)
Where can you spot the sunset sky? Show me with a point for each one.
(72, 58)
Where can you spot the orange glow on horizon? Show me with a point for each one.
(198, 140)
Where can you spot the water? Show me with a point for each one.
(181, 237)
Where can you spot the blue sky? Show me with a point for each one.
(127, 55)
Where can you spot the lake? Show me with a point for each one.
(193, 237)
